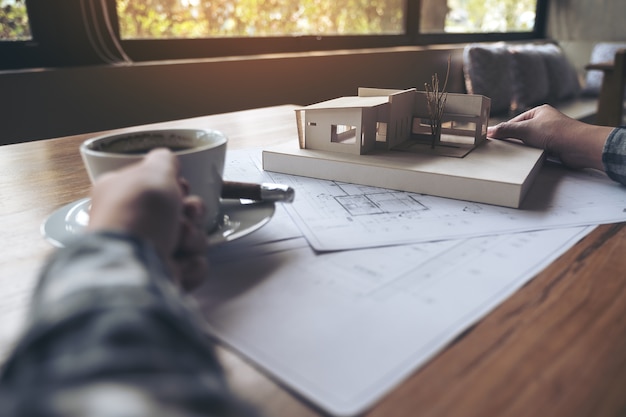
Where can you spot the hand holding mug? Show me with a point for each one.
(169, 197)
(149, 200)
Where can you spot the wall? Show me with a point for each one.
(579, 24)
(587, 20)
(48, 103)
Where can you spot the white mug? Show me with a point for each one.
(201, 153)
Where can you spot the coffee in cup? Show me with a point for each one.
(201, 153)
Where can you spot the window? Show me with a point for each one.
(207, 19)
(14, 25)
(343, 134)
(478, 16)
(86, 32)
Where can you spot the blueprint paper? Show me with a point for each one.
(344, 328)
(338, 216)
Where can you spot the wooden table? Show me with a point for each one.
(555, 348)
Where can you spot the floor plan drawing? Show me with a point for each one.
(318, 320)
(339, 216)
(334, 215)
(380, 202)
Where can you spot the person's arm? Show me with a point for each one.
(576, 144)
(614, 155)
(109, 330)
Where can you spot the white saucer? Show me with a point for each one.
(238, 218)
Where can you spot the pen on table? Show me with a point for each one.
(258, 191)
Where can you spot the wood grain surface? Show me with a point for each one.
(557, 347)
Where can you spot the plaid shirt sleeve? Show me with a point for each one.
(614, 155)
(109, 333)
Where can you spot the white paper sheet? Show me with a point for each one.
(342, 329)
(337, 216)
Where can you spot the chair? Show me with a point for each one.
(611, 96)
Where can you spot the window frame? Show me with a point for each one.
(56, 27)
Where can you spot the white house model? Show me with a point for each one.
(356, 140)
(383, 119)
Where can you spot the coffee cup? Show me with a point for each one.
(201, 153)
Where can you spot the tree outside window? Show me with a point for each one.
(477, 16)
(253, 18)
(14, 24)
(148, 19)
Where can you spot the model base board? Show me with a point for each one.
(498, 172)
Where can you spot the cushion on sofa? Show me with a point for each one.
(563, 82)
(519, 76)
(529, 76)
(487, 72)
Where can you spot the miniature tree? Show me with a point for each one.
(436, 102)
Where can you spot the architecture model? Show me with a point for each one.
(399, 120)
(389, 139)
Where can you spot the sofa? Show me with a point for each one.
(519, 76)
